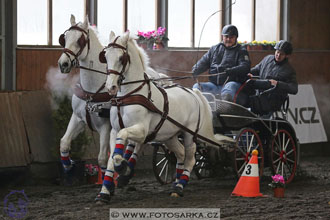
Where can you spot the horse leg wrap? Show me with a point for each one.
(129, 151)
(179, 171)
(132, 161)
(108, 182)
(66, 161)
(184, 178)
(124, 179)
(120, 146)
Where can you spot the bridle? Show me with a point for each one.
(124, 59)
(81, 42)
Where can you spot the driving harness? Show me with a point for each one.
(91, 97)
(131, 99)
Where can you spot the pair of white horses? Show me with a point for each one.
(139, 107)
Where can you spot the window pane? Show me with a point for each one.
(211, 32)
(141, 15)
(109, 18)
(32, 22)
(62, 10)
(242, 19)
(179, 23)
(266, 20)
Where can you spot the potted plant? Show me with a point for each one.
(160, 38)
(91, 173)
(278, 185)
(146, 39)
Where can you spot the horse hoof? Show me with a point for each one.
(175, 195)
(122, 181)
(177, 192)
(122, 168)
(102, 198)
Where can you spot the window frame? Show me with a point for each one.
(161, 19)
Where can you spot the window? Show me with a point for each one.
(255, 19)
(179, 23)
(266, 20)
(32, 23)
(211, 33)
(141, 15)
(109, 18)
(242, 19)
(62, 15)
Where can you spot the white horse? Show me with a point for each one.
(144, 112)
(82, 46)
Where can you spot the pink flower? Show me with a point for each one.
(278, 178)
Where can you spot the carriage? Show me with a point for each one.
(274, 138)
(142, 111)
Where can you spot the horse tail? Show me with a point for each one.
(206, 122)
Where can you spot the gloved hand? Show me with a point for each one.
(220, 69)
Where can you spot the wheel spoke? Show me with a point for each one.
(243, 166)
(162, 170)
(166, 173)
(250, 145)
(241, 150)
(161, 161)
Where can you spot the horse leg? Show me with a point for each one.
(104, 132)
(131, 157)
(75, 127)
(108, 186)
(135, 133)
(189, 163)
(177, 148)
(123, 180)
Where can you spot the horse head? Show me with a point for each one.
(118, 60)
(75, 42)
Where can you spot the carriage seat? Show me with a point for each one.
(259, 96)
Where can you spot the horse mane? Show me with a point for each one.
(142, 54)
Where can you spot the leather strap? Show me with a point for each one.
(92, 97)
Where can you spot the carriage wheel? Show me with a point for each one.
(284, 155)
(247, 140)
(202, 168)
(163, 164)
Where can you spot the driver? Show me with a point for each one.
(278, 71)
(229, 57)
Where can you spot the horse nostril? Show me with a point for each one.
(113, 87)
(65, 64)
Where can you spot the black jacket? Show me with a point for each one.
(282, 72)
(234, 61)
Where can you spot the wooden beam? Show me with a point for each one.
(253, 20)
(192, 23)
(50, 22)
(125, 17)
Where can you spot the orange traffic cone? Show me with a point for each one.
(100, 181)
(248, 184)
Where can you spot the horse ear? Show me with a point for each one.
(86, 22)
(73, 20)
(61, 40)
(112, 36)
(102, 57)
(125, 38)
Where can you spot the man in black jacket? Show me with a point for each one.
(279, 73)
(228, 64)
